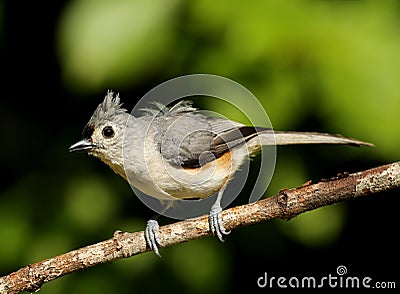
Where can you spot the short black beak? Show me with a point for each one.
(83, 145)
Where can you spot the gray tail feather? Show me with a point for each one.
(268, 137)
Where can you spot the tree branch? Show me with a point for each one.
(286, 204)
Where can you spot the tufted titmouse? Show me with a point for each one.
(168, 149)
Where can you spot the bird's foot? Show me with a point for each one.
(152, 236)
(215, 220)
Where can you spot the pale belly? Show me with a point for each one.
(161, 179)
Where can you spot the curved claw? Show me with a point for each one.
(215, 220)
(152, 236)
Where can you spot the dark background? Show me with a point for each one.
(314, 65)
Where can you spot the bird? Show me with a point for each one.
(178, 152)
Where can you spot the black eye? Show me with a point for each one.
(108, 132)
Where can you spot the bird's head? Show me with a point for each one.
(103, 134)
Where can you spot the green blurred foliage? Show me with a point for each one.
(317, 228)
(80, 195)
(323, 65)
(111, 42)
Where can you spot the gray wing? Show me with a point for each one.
(182, 139)
(182, 134)
(188, 138)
